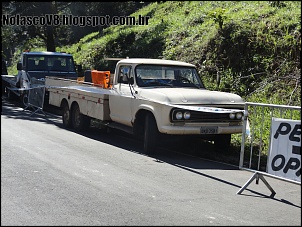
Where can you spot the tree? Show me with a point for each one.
(57, 34)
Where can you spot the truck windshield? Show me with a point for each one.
(168, 76)
(50, 63)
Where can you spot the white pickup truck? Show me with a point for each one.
(150, 97)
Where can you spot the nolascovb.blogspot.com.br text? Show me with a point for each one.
(82, 21)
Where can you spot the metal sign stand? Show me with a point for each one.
(35, 110)
(256, 176)
(36, 100)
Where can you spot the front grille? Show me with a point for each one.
(197, 116)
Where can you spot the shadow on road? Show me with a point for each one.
(14, 110)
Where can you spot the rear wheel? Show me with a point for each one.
(79, 121)
(66, 117)
(151, 134)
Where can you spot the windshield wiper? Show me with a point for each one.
(189, 81)
(157, 82)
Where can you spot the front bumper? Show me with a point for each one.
(190, 129)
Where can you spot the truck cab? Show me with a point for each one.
(34, 66)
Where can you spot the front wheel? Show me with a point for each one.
(79, 121)
(151, 134)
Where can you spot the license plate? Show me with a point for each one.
(209, 130)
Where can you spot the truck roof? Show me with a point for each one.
(155, 61)
(46, 53)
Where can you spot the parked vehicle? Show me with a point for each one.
(148, 98)
(32, 69)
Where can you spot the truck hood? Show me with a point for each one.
(189, 96)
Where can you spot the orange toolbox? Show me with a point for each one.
(100, 78)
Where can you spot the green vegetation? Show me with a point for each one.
(251, 48)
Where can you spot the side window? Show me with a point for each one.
(32, 63)
(124, 74)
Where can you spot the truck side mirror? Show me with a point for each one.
(131, 80)
(19, 66)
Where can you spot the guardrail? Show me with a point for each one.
(257, 143)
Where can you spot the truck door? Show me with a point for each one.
(122, 101)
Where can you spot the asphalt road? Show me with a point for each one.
(53, 176)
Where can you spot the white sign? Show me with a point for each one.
(285, 149)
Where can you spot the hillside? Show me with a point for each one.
(251, 48)
(243, 47)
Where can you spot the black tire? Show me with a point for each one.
(66, 116)
(151, 135)
(222, 143)
(79, 121)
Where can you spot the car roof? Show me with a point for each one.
(155, 61)
(46, 53)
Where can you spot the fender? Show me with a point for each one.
(151, 108)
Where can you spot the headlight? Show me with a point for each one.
(179, 115)
(232, 115)
(187, 115)
(239, 116)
